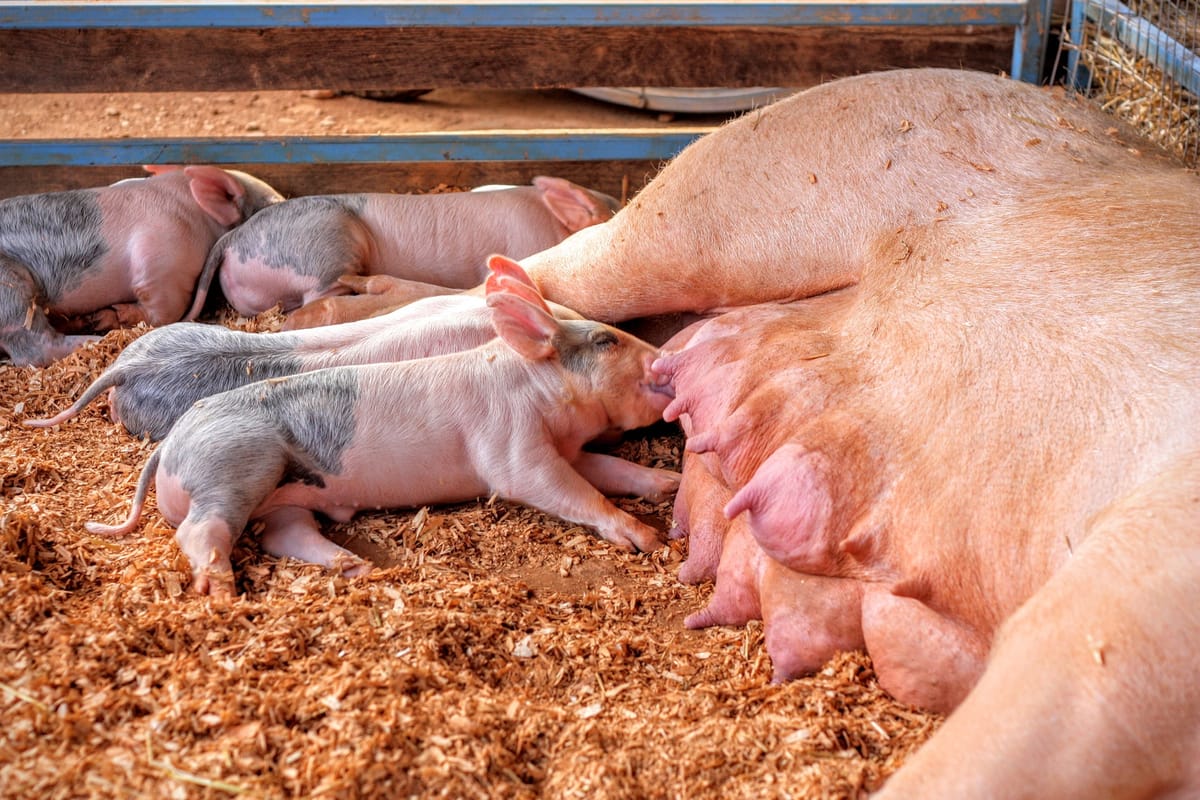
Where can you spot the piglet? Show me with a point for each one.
(510, 418)
(158, 376)
(97, 259)
(295, 254)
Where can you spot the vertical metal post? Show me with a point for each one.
(1079, 77)
(1029, 46)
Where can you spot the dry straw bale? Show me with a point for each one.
(1134, 89)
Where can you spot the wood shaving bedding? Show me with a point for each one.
(496, 653)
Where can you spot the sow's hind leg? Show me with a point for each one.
(1090, 687)
(25, 332)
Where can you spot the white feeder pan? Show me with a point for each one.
(687, 101)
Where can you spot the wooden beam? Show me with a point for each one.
(494, 13)
(115, 60)
(616, 178)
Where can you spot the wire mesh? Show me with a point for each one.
(1139, 61)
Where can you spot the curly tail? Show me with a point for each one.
(139, 501)
(204, 280)
(110, 378)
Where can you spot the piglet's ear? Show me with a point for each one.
(160, 169)
(572, 205)
(524, 327)
(217, 192)
(509, 286)
(507, 276)
(506, 267)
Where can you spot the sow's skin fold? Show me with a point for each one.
(509, 417)
(96, 259)
(985, 446)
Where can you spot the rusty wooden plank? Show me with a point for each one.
(503, 58)
(613, 177)
(491, 14)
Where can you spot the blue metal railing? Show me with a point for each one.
(1028, 17)
(615, 145)
(1141, 36)
(565, 13)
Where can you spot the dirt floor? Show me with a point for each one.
(24, 116)
(495, 653)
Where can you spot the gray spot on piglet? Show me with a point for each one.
(165, 371)
(56, 234)
(315, 413)
(304, 234)
(230, 450)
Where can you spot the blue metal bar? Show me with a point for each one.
(1148, 40)
(1079, 77)
(481, 13)
(624, 145)
(1029, 45)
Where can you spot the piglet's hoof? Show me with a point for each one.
(214, 582)
(661, 485)
(351, 566)
(634, 537)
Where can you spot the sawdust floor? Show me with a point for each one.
(496, 652)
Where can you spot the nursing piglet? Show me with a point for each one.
(97, 259)
(510, 418)
(295, 254)
(158, 376)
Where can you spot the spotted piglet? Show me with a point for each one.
(157, 377)
(97, 259)
(300, 251)
(510, 417)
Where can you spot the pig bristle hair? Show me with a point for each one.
(139, 502)
(109, 379)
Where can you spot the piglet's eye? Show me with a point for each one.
(602, 339)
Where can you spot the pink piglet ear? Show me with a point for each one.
(524, 327)
(497, 284)
(217, 192)
(503, 265)
(507, 276)
(572, 205)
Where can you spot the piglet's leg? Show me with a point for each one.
(208, 543)
(616, 476)
(293, 532)
(549, 483)
(163, 291)
(119, 315)
(25, 332)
